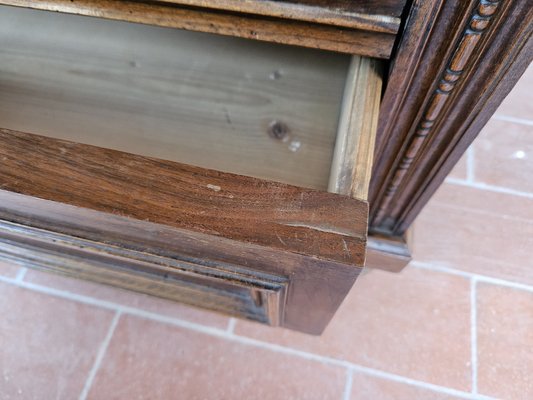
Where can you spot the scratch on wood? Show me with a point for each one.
(346, 248)
(216, 188)
(281, 240)
(322, 228)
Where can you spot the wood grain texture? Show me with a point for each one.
(479, 21)
(380, 16)
(161, 259)
(258, 297)
(318, 8)
(320, 224)
(251, 248)
(306, 34)
(354, 148)
(458, 73)
(165, 93)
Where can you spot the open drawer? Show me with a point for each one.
(216, 171)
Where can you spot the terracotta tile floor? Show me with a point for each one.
(457, 323)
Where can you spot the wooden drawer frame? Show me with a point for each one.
(486, 44)
(252, 248)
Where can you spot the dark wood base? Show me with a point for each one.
(387, 253)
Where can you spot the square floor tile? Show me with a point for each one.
(503, 155)
(9, 270)
(127, 298)
(416, 324)
(519, 102)
(151, 360)
(477, 231)
(460, 170)
(48, 345)
(366, 387)
(505, 342)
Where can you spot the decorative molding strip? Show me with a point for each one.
(476, 26)
(226, 288)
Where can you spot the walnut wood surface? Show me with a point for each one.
(380, 16)
(163, 260)
(168, 93)
(320, 224)
(455, 63)
(232, 290)
(320, 8)
(306, 34)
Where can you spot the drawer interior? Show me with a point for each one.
(235, 105)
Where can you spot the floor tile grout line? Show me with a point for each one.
(470, 275)
(354, 367)
(124, 310)
(470, 169)
(348, 385)
(100, 356)
(489, 188)
(420, 384)
(108, 305)
(437, 268)
(489, 260)
(507, 118)
(492, 214)
(231, 325)
(473, 332)
(21, 274)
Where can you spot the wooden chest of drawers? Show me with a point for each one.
(246, 177)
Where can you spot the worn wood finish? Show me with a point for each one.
(354, 147)
(379, 16)
(279, 216)
(256, 249)
(168, 92)
(229, 276)
(259, 298)
(297, 9)
(306, 34)
(379, 7)
(455, 63)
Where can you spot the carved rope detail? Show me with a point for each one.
(478, 23)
